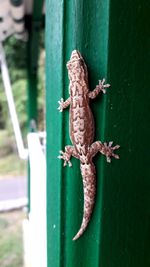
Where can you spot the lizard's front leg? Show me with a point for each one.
(63, 104)
(99, 88)
(69, 151)
(104, 149)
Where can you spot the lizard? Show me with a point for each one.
(81, 129)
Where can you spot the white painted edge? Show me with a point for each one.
(13, 204)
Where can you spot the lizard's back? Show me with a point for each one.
(82, 132)
(81, 119)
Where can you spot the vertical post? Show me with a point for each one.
(112, 36)
(32, 96)
(37, 216)
(32, 66)
(70, 25)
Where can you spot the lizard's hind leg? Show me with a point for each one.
(107, 150)
(69, 151)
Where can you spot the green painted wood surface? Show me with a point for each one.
(33, 53)
(32, 66)
(113, 38)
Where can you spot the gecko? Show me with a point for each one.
(81, 128)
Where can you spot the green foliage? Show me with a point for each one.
(20, 97)
(41, 91)
(11, 243)
(16, 55)
(10, 164)
(5, 144)
(15, 51)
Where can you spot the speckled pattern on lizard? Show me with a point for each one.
(82, 131)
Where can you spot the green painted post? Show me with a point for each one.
(113, 38)
(33, 52)
(32, 66)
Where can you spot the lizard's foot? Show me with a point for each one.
(61, 105)
(109, 151)
(102, 86)
(66, 157)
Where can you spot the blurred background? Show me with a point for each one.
(22, 48)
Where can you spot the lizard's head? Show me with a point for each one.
(76, 66)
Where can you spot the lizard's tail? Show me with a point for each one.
(89, 188)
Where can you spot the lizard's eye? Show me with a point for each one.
(81, 62)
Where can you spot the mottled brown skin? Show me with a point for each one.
(82, 132)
